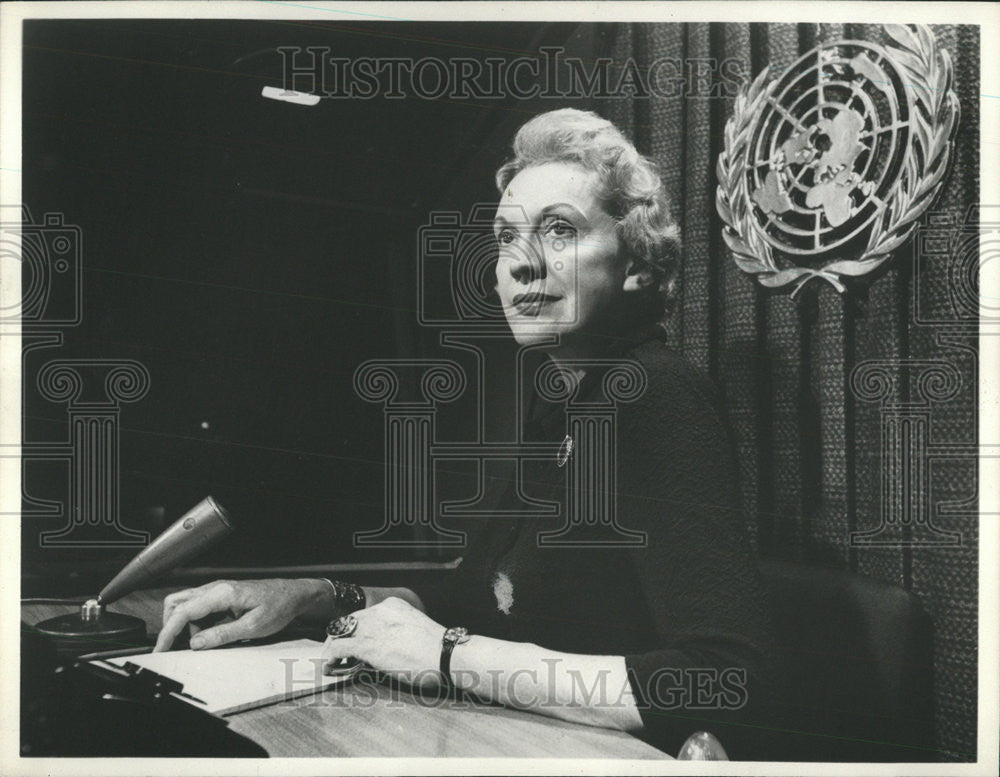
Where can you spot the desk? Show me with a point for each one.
(381, 721)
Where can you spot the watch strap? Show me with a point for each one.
(452, 637)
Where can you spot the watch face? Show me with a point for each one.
(457, 635)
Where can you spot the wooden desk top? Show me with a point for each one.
(379, 721)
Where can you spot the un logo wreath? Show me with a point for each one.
(835, 161)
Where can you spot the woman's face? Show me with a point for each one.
(561, 268)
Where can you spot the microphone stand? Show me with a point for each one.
(94, 628)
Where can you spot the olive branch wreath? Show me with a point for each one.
(929, 85)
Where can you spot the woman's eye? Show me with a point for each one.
(505, 236)
(560, 228)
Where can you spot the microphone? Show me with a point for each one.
(93, 628)
(200, 527)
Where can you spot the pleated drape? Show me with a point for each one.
(810, 450)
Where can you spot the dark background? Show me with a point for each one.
(251, 253)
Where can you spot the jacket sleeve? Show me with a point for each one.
(678, 482)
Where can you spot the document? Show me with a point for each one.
(230, 680)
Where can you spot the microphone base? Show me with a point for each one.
(74, 634)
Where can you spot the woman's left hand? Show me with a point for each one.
(394, 637)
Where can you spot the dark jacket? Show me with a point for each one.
(684, 607)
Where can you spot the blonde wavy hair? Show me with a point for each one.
(630, 187)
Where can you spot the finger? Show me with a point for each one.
(170, 601)
(336, 652)
(177, 597)
(338, 666)
(244, 628)
(212, 600)
(173, 600)
(341, 647)
(214, 619)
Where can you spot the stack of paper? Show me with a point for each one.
(234, 679)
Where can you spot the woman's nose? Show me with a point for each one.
(525, 261)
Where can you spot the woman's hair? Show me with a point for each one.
(630, 183)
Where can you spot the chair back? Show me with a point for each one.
(856, 660)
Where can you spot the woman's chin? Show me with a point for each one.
(524, 336)
(535, 331)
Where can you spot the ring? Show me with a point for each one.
(344, 626)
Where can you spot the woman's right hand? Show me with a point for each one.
(260, 608)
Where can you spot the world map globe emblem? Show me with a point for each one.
(828, 148)
(828, 167)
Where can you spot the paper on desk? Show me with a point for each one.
(234, 679)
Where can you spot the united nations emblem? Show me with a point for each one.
(827, 169)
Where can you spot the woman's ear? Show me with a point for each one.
(638, 276)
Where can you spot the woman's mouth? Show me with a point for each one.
(532, 303)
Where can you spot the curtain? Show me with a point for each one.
(811, 449)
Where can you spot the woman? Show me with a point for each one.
(656, 628)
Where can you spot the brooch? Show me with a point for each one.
(565, 449)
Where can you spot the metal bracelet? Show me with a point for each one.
(347, 598)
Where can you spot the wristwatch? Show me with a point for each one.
(453, 636)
